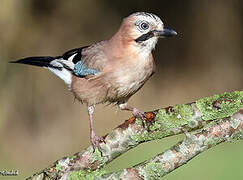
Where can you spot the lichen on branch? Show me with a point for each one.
(192, 145)
(161, 123)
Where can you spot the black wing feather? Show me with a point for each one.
(77, 51)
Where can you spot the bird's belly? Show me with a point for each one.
(124, 85)
(129, 86)
(89, 91)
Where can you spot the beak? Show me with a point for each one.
(166, 32)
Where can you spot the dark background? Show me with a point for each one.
(39, 120)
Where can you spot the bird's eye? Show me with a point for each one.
(144, 26)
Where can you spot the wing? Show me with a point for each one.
(88, 60)
(74, 62)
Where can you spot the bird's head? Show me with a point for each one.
(142, 30)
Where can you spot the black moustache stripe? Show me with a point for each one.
(145, 37)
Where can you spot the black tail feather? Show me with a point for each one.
(42, 61)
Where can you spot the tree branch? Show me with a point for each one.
(195, 143)
(202, 115)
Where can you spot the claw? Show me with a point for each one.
(136, 113)
(95, 141)
(140, 115)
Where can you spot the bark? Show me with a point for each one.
(206, 123)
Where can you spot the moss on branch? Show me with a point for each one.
(160, 123)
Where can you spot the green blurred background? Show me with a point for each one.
(39, 120)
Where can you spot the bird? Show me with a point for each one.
(109, 71)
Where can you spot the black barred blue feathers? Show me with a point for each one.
(81, 71)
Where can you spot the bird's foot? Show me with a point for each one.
(95, 141)
(140, 115)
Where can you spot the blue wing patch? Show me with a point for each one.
(81, 70)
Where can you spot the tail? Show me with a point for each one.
(60, 67)
(36, 61)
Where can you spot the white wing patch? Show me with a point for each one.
(63, 69)
(71, 57)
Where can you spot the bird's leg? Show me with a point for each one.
(136, 113)
(95, 140)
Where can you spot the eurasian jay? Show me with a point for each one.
(109, 71)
